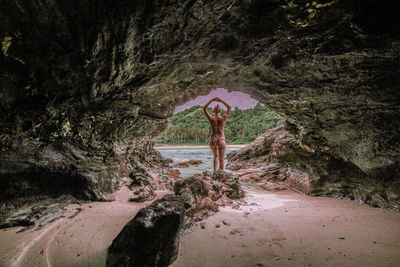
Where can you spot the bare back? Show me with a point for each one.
(217, 127)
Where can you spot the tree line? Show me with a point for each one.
(242, 126)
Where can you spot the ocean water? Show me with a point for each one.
(203, 154)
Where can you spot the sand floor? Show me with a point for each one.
(79, 241)
(278, 229)
(290, 229)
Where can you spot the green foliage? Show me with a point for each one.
(5, 44)
(242, 126)
(305, 11)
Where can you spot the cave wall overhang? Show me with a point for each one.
(102, 76)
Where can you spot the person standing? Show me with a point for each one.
(217, 138)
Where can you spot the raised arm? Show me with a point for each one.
(205, 108)
(226, 105)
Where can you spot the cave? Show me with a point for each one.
(86, 87)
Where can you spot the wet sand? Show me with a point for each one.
(277, 229)
(290, 229)
(82, 240)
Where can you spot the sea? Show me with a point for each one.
(184, 154)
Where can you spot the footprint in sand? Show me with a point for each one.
(237, 231)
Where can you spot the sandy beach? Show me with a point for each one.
(290, 229)
(81, 238)
(275, 229)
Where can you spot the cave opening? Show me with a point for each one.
(187, 136)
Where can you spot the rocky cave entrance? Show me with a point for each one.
(185, 141)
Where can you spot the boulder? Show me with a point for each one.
(205, 192)
(140, 177)
(279, 159)
(142, 194)
(151, 238)
(234, 190)
(193, 191)
(174, 174)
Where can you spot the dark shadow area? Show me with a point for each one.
(38, 187)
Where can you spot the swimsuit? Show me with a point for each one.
(217, 140)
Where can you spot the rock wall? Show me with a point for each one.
(86, 86)
(279, 158)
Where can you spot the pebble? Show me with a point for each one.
(217, 226)
(203, 226)
(227, 223)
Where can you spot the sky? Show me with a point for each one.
(235, 99)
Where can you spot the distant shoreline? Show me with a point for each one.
(167, 147)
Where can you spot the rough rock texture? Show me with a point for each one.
(151, 238)
(205, 192)
(86, 86)
(277, 158)
(142, 194)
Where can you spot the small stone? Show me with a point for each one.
(290, 258)
(203, 226)
(342, 238)
(277, 258)
(227, 223)
(78, 255)
(217, 226)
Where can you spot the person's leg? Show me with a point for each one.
(221, 154)
(214, 149)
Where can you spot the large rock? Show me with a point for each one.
(151, 238)
(206, 192)
(278, 158)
